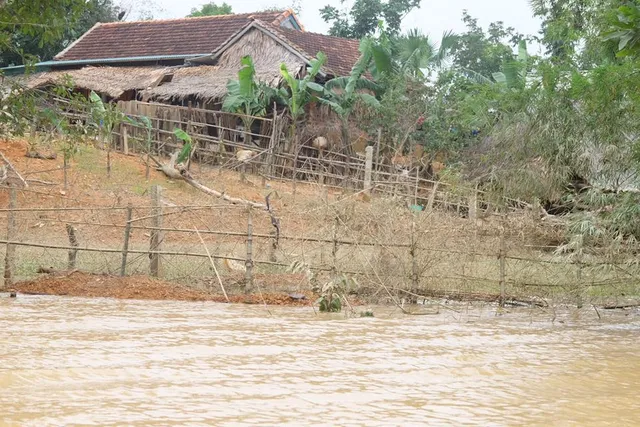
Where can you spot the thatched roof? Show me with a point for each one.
(206, 82)
(112, 81)
(209, 82)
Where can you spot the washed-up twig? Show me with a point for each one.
(213, 264)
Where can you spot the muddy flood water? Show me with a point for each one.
(103, 362)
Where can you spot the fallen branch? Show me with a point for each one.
(41, 182)
(38, 155)
(171, 171)
(620, 306)
(10, 166)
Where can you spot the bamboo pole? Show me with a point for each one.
(415, 281)
(125, 139)
(10, 254)
(334, 249)
(155, 243)
(502, 259)
(367, 168)
(579, 288)
(249, 259)
(125, 246)
(213, 264)
(432, 197)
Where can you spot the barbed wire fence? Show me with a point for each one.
(387, 253)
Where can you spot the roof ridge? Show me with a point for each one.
(319, 34)
(248, 15)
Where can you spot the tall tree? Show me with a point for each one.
(363, 18)
(211, 9)
(41, 38)
(483, 53)
(571, 29)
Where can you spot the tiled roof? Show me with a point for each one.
(341, 53)
(186, 36)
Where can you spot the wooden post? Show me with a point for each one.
(295, 163)
(125, 246)
(249, 260)
(502, 260)
(125, 139)
(415, 279)
(378, 142)
(432, 197)
(9, 259)
(579, 288)
(272, 142)
(473, 205)
(368, 164)
(73, 242)
(155, 243)
(334, 250)
(415, 191)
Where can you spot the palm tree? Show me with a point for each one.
(408, 54)
(415, 51)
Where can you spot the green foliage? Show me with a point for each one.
(248, 96)
(330, 300)
(477, 53)
(211, 9)
(105, 116)
(363, 17)
(569, 24)
(300, 91)
(626, 30)
(185, 152)
(36, 31)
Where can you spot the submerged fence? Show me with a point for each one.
(381, 252)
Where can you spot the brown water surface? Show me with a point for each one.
(103, 362)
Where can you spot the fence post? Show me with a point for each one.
(249, 260)
(579, 288)
(73, 242)
(415, 190)
(125, 139)
(502, 259)
(9, 259)
(378, 142)
(125, 246)
(473, 204)
(155, 242)
(413, 251)
(334, 249)
(272, 142)
(368, 164)
(432, 196)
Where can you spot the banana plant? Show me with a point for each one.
(342, 94)
(299, 94)
(514, 73)
(105, 117)
(248, 97)
(185, 153)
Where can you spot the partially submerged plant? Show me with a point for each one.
(331, 295)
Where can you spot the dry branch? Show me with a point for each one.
(10, 166)
(213, 264)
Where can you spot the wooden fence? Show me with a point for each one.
(218, 135)
(396, 255)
